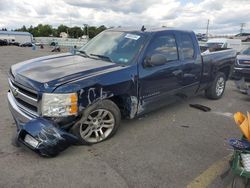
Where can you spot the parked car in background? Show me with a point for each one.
(14, 43)
(225, 43)
(201, 37)
(26, 44)
(242, 65)
(203, 47)
(3, 42)
(244, 37)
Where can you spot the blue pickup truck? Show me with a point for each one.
(118, 74)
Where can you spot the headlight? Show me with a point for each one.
(57, 105)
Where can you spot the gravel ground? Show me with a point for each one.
(166, 148)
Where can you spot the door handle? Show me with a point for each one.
(177, 72)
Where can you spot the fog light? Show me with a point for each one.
(31, 141)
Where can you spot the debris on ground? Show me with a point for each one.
(185, 126)
(200, 107)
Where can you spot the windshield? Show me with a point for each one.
(246, 51)
(214, 45)
(118, 47)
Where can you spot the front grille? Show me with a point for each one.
(25, 98)
(244, 62)
(26, 105)
(25, 91)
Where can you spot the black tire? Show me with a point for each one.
(211, 91)
(107, 105)
(14, 140)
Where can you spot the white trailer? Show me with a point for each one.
(20, 37)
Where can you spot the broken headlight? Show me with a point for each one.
(57, 105)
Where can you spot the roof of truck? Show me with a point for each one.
(148, 30)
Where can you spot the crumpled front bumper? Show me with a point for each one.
(51, 140)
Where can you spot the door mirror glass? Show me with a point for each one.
(155, 60)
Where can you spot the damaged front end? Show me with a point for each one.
(42, 136)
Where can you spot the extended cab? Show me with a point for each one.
(119, 73)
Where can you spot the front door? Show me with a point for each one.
(159, 83)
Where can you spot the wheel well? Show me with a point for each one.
(226, 71)
(120, 101)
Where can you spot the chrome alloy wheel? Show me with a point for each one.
(220, 85)
(98, 126)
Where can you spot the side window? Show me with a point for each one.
(187, 47)
(164, 45)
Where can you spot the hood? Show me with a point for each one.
(59, 69)
(243, 57)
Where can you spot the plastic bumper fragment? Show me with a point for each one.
(42, 136)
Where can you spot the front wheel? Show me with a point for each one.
(216, 90)
(99, 122)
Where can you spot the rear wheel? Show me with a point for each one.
(98, 123)
(216, 90)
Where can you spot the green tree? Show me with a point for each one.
(62, 28)
(75, 32)
(91, 31)
(22, 29)
(55, 33)
(47, 30)
(44, 30)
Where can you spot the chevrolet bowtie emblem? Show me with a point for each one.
(15, 91)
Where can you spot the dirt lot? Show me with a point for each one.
(176, 146)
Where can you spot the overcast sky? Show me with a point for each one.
(225, 15)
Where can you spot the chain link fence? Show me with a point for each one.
(65, 42)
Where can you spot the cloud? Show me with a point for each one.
(128, 6)
(225, 16)
(212, 5)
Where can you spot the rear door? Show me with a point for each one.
(192, 63)
(159, 83)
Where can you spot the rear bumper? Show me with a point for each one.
(19, 116)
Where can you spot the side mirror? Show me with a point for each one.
(155, 60)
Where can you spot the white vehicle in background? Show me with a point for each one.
(225, 43)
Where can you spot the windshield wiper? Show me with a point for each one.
(84, 53)
(103, 57)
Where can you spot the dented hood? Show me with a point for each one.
(60, 68)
